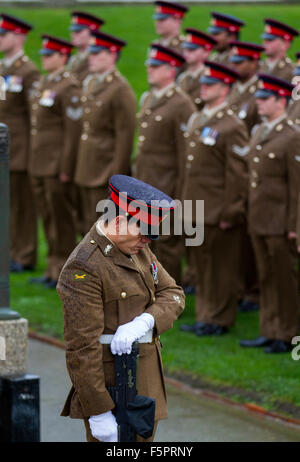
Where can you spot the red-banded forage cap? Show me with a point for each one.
(240, 51)
(215, 73)
(147, 205)
(224, 22)
(82, 20)
(52, 44)
(12, 24)
(101, 41)
(165, 9)
(269, 85)
(159, 55)
(276, 29)
(195, 38)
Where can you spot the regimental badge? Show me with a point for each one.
(240, 150)
(154, 272)
(13, 83)
(74, 113)
(108, 249)
(243, 112)
(79, 275)
(177, 299)
(209, 136)
(47, 98)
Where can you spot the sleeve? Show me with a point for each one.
(236, 174)
(72, 114)
(293, 172)
(183, 114)
(124, 104)
(83, 325)
(169, 300)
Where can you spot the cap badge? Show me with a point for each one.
(154, 272)
(107, 249)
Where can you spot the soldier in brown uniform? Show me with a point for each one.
(216, 172)
(81, 27)
(244, 59)
(162, 119)
(197, 47)
(114, 291)
(109, 111)
(55, 131)
(168, 19)
(20, 75)
(277, 38)
(224, 28)
(274, 175)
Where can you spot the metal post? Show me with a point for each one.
(5, 312)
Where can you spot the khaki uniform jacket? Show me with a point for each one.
(283, 69)
(106, 144)
(15, 108)
(190, 84)
(274, 177)
(244, 105)
(221, 57)
(55, 125)
(216, 169)
(161, 125)
(102, 288)
(78, 66)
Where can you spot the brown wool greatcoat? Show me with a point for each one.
(21, 76)
(106, 143)
(283, 69)
(102, 288)
(189, 83)
(216, 172)
(244, 105)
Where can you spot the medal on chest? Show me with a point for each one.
(209, 136)
(47, 98)
(243, 111)
(154, 272)
(13, 83)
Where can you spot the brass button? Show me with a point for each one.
(271, 155)
(186, 134)
(254, 174)
(87, 110)
(144, 124)
(148, 111)
(190, 157)
(153, 299)
(83, 99)
(92, 241)
(279, 127)
(259, 147)
(192, 144)
(158, 118)
(256, 160)
(253, 184)
(84, 136)
(220, 115)
(197, 100)
(123, 294)
(141, 138)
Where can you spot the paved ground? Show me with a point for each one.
(191, 418)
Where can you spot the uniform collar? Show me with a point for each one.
(273, 123)
(242, 87)
(209, 113)
(196, 73)
(55, 75)
(7, 62)
(160, 93)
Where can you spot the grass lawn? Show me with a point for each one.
(217, 363)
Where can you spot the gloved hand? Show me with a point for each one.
(104, 427)
(127, 333)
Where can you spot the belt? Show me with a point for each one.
(106, 339)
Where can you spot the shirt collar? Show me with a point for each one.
(160, 93)
(9, 61)
(271, 125)
(242, 87)
(209, 113)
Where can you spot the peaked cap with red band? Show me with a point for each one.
(269, 85)
(101, 41)
(215, 72)
(82, 20)
(159, 55)
(196, 38)
(11, 24)
(224, 22)
(53, 44)
(275, 29)
(240, 51)
(146, 204)
(165, 9)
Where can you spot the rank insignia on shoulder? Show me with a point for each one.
(107, 249)
(209, 136)
(79, 276)
(154, 272)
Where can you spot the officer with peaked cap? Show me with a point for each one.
(114, 289)
(197, 47)
(216, 172)
(20, 74)
(55, 130)
(168, 18)
(244, 59)
(109, 111)
(224, 28)
(81, 27)
(274, 175)
(162, 119)
(277, 38)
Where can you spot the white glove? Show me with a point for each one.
(104, 427)
(127, 333)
